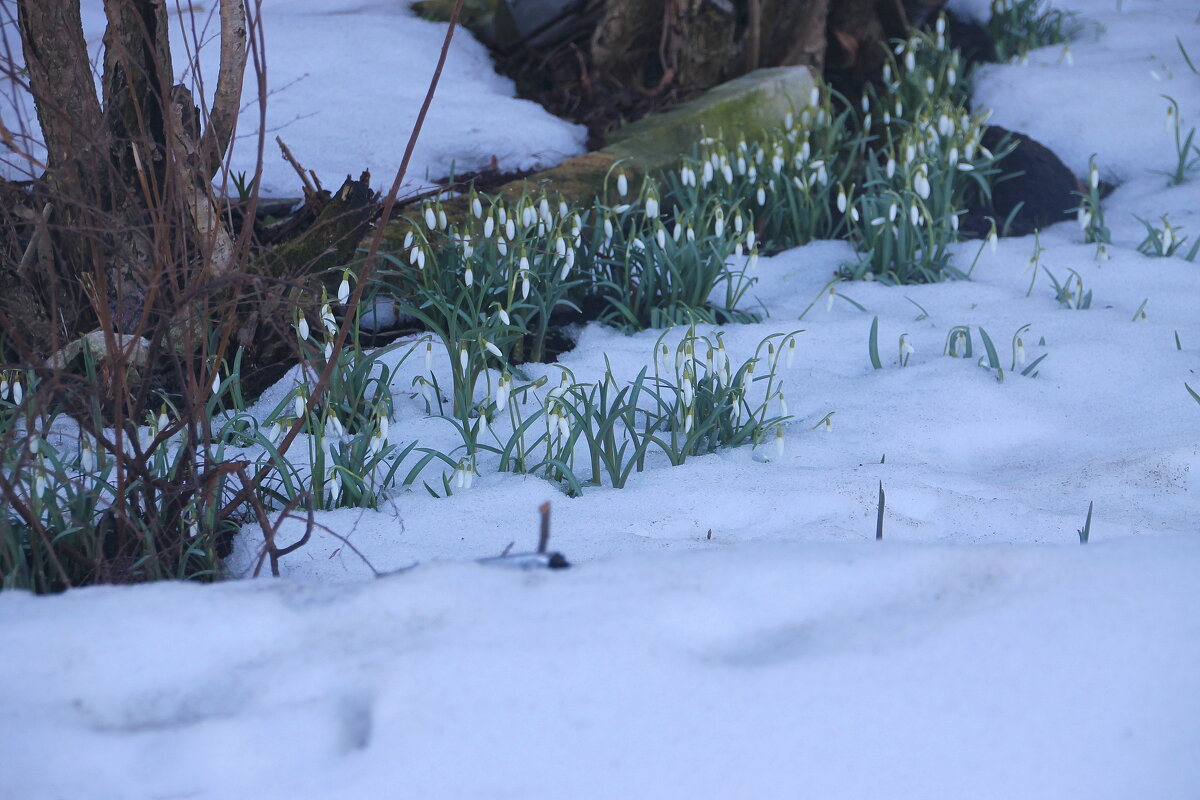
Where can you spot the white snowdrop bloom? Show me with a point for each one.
(751, 238)
(524, 285)
(430, 218)
(914, 214)
(570, 257)
(298, 404)
(814, 97)
(523, 264)
(779, 448)
(691, 234)
(878, 221)
(719, 226)
(866, 103)
(566, 268)
(544, 212)
(502, 392)
(867, 122)
(910, 63)
(841, 201)
(1093, 176)
(560, 247)
(683, 176)
(761, 196)
(686, 389)
(822, 175)
(489, 226)
(1102, 253)
(563, 209)
(887, 73)
(854, 213)
(343, 293)
(741, 166)
(334, 426)
(738, 223)
(890, 169)
(1084, 217)
(777, 163)
(468, 249)
(501, 214)
(789, 121)
(752, 262)
(622, 184)
(688, 421)
(900, 109)
(752, 173)
(328, 350)
(965, 167)
(216, 384)
(660, 236)
(608, 229)
(469, 277)
(1020, 351)
(791, 353)
(993, 239)
(528, 216)
(891, 212)
(1168, 236)
(652, 207)
(412, 254)
(951, 76)
(637, 244)
(953, 156)
(738, 250)
(460, 474)
(462, 358)
(706, 175)
(491, 348)
(906, 347)
(930, 86)
(910, 154)
(677, 231)
(429, 356)
(921, 185)
(421, 258)
(783, 409)
(940, 25)
(476, 208)
(301, 330)
(727, 173)
(829, 298)
(161, 421)
(954, 222)
(501, 246)
(510, 230)
(887, 118)
(442, 219)
(327, 318)
(408, 240)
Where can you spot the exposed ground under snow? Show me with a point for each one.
(978, 651)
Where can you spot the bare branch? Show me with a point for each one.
(222, 117)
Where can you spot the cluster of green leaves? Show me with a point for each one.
(1018, 26)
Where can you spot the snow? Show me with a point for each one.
(346, 80)
(978, 651)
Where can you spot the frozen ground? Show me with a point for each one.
(978, 651)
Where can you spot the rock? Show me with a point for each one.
(1040, 187)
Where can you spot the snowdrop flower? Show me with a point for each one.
(568, 263)
(738, 223)
(299, 403)
(965, 167)
(469, 277)
(887, 73)
(301, 330)
(761, 196)
(335, 426)
(408, 240)
(789, 121)
(462, 358)
(660, 236)
(622, 184)
(688, 422)
(608, 230)
(343, 294)
(822, 175)
(528, 216)
(910, 64)
(161, 421)
(841, 200)
(719, 223)
(216, 384)
(563, 210)
(899, 109)
(906, 347)
(544, 210)
(779, 442)
(866, 103)
(750, 240)
(891, 212)
(691, 234)
(783, 409)
(887, 118)
(442, 219)
(1085, 218)
(327, 319)
(727, 173)
(429, 356)
(430, 218)
(706, 174)
(829, 297)
(489, 225)
(524, 285)
(752, 262)
(328, 350)
(560, 247)
(921, 183)
(1093, 176)
(791, 353)
(741, 166)
(652, 207)
(890, 169)
(502, 393)
(491, 348)
(1019, 351)
(993, 240)
(953, 156)
(510, 229)
(930, 86)
(951, 76)
(476, 207)
(1102, 253)
(854, 213)
(501, 246)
